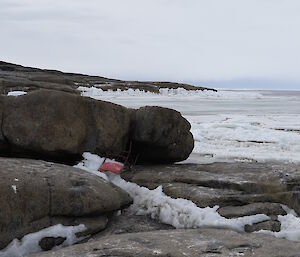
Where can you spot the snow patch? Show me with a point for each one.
(92, 163)
(30, 243)
(16, 93)
(14, 187)
(290, 228)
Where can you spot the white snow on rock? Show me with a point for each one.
(92, 163)
(14, 187)
(16, 93)
(180, 213)
(30, 243)
(290, 228)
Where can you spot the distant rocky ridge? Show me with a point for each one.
(16, 77)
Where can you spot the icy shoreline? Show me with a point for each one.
(227, 126)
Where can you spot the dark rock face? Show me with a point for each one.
(36, 194)
(179, 243)
(161, 135)
(57, 125)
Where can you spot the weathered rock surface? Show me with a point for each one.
(178, 243)
(161, 135)
(128, 222)
(271, 225)
(16, 77)
(252, 209)
(238, 188)
(47, 243)
(60, 126)
(36, 194)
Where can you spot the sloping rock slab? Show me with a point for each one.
(179, 243)
(37, 194)
(225, 184)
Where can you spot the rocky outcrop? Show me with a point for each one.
(59, 126)
(55, 125)
(240, 189)
(179, 243)
(16, 77)
(37, 194)
(161, 135)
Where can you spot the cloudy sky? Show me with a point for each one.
(223, 43)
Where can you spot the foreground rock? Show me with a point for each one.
(36, 194)
(240, 189)
(128, 222)
(178, 243)
(59, 126)
(16, 77)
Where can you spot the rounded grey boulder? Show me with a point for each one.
(161, 135)
(37, 194)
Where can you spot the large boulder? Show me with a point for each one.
(61, 126)
(161, 135)
(36, 194)
(180, 243)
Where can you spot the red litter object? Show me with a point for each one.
(114, 167)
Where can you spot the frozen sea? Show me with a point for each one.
(228, 125)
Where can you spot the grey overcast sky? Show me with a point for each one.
(223, 43)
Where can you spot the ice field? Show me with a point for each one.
(228, 125)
